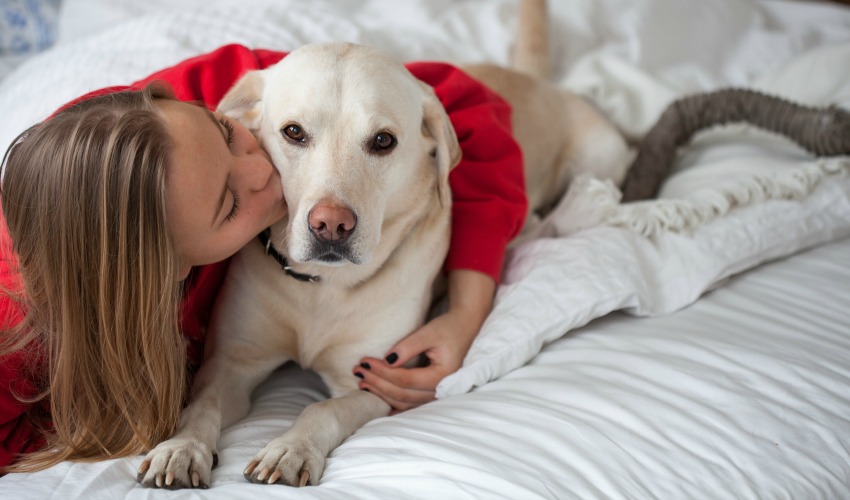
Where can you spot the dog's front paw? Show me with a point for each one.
(178, 463)
(294, 462)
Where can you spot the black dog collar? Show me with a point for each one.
(265, 239)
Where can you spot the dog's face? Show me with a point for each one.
(354, 135)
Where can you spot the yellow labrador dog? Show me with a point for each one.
(364, 150)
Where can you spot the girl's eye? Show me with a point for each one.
(228, 127)
(235, 209)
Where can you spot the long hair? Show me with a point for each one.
(83, 195)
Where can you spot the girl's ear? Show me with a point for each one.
(242, 101)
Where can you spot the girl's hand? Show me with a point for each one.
(444, 342)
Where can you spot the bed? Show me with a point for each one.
(704, 357)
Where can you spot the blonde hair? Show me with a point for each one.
(83, 195)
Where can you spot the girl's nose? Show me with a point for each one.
(256, 169)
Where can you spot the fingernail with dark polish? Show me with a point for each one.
(365, 365)
(392, 358)
(358, 375)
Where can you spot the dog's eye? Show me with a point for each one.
(294, 132)
(383, 142)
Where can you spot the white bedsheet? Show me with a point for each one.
(743, 394)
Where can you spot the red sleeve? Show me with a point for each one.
(488, 186)
(202, 287)
(208, 77)
(18, 430)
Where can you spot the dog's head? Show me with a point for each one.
(356, 139)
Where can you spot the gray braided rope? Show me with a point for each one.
(822, 131)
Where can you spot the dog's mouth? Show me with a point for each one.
(331, 254)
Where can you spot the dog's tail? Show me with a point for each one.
(531, 50)
(822, 131)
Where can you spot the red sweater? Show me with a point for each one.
(488, 210)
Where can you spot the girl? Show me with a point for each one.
(118, 241)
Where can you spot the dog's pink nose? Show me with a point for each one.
(331, 222)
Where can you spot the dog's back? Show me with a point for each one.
(561, 134)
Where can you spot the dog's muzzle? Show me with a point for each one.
(332, 226)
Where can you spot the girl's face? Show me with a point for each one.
(221, 187)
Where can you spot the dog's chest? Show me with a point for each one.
(329, 321)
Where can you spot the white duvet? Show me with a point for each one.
(742, 393)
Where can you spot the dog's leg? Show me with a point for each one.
(298, 456)
(222, 393)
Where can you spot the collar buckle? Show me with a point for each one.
(266, 240)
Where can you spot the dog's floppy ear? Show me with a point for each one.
(242, 101)
(436, 124)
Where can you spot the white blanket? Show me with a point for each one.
(741, 395)
(572, 278)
